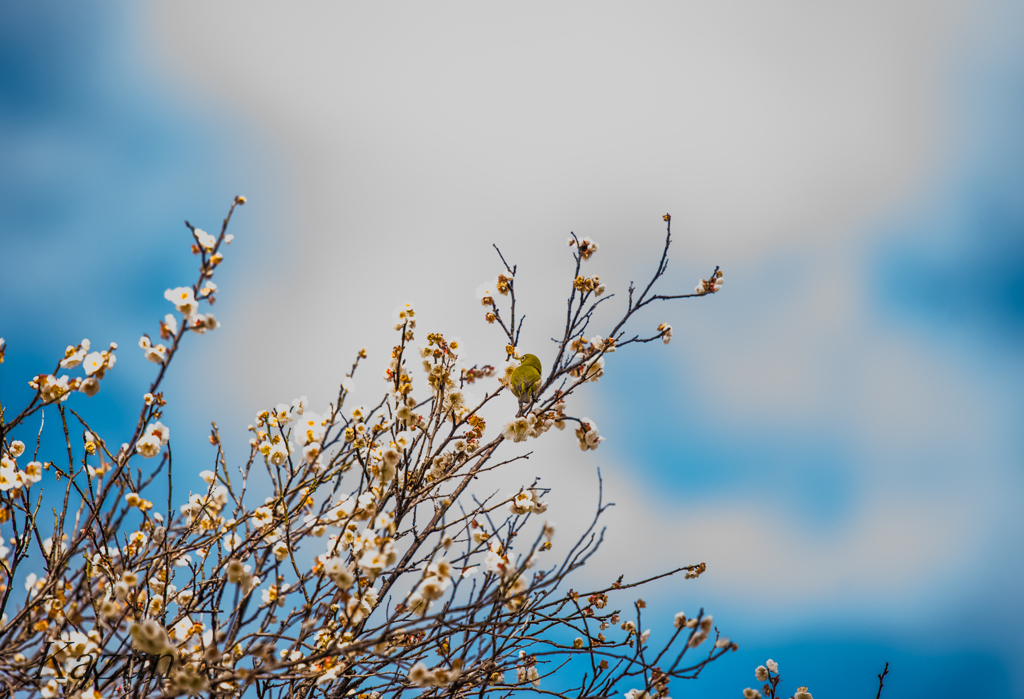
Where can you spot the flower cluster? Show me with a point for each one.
(527, 671)
(471, 375)
(52, 389)
(420, 676)
(710, 286)
(487, 291)
(437, 578)
(587, 435)
(586, 285)
(156, 436)
(224, 594)
(185, 302)
(527, 501)
(535, 423)
(11, 477)
(586, 246)
(769, 674)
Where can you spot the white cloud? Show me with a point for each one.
(414, 141)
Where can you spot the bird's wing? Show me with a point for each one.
(523, 379)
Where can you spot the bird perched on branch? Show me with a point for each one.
(525, 380)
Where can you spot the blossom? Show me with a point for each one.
(802, 693)
(310, 428)
(336, 570)
(522, 503)
(761, 673)
(587, 435)
(160, 431)
(183, 300)
(697, 639)
(188, 679)
(405, 317)
(171, 323)
(90, 386)
(94, 361)
(280, 550)
(239, 573)
(680, 620)
(419, 675)
(772, 665)
(51, 389)
(9, 476)
(375, 560)
(591, 370)
(73, 356)
(310, 452)
(182, 630)
(358, 608)
(432, 588)
(17, 448)
(154, 353)
(453, 401)
(278, 454)
(201, 322)
(404, 440)
(495, 562)
(150, 637)
(749, 693)
(155, 437)
(207, 241)
(148, 446)
(33, 472)
(705, 286)
(486, 292)
(390, 459)
(666, 332)
(272, 595)
(517, 430)
(586, 246)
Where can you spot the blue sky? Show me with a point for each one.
(837, 434)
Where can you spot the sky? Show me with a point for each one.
(835, 434)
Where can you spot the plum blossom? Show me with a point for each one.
(207, 241)
(183, 300)
(154, 353)
(517, 430)
(156, 436)
(201, 322)
(10, 477)
(587, 435)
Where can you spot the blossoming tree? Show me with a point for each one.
(367, 570)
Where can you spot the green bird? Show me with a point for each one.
(526, 380)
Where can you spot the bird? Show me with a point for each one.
(526, 380)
